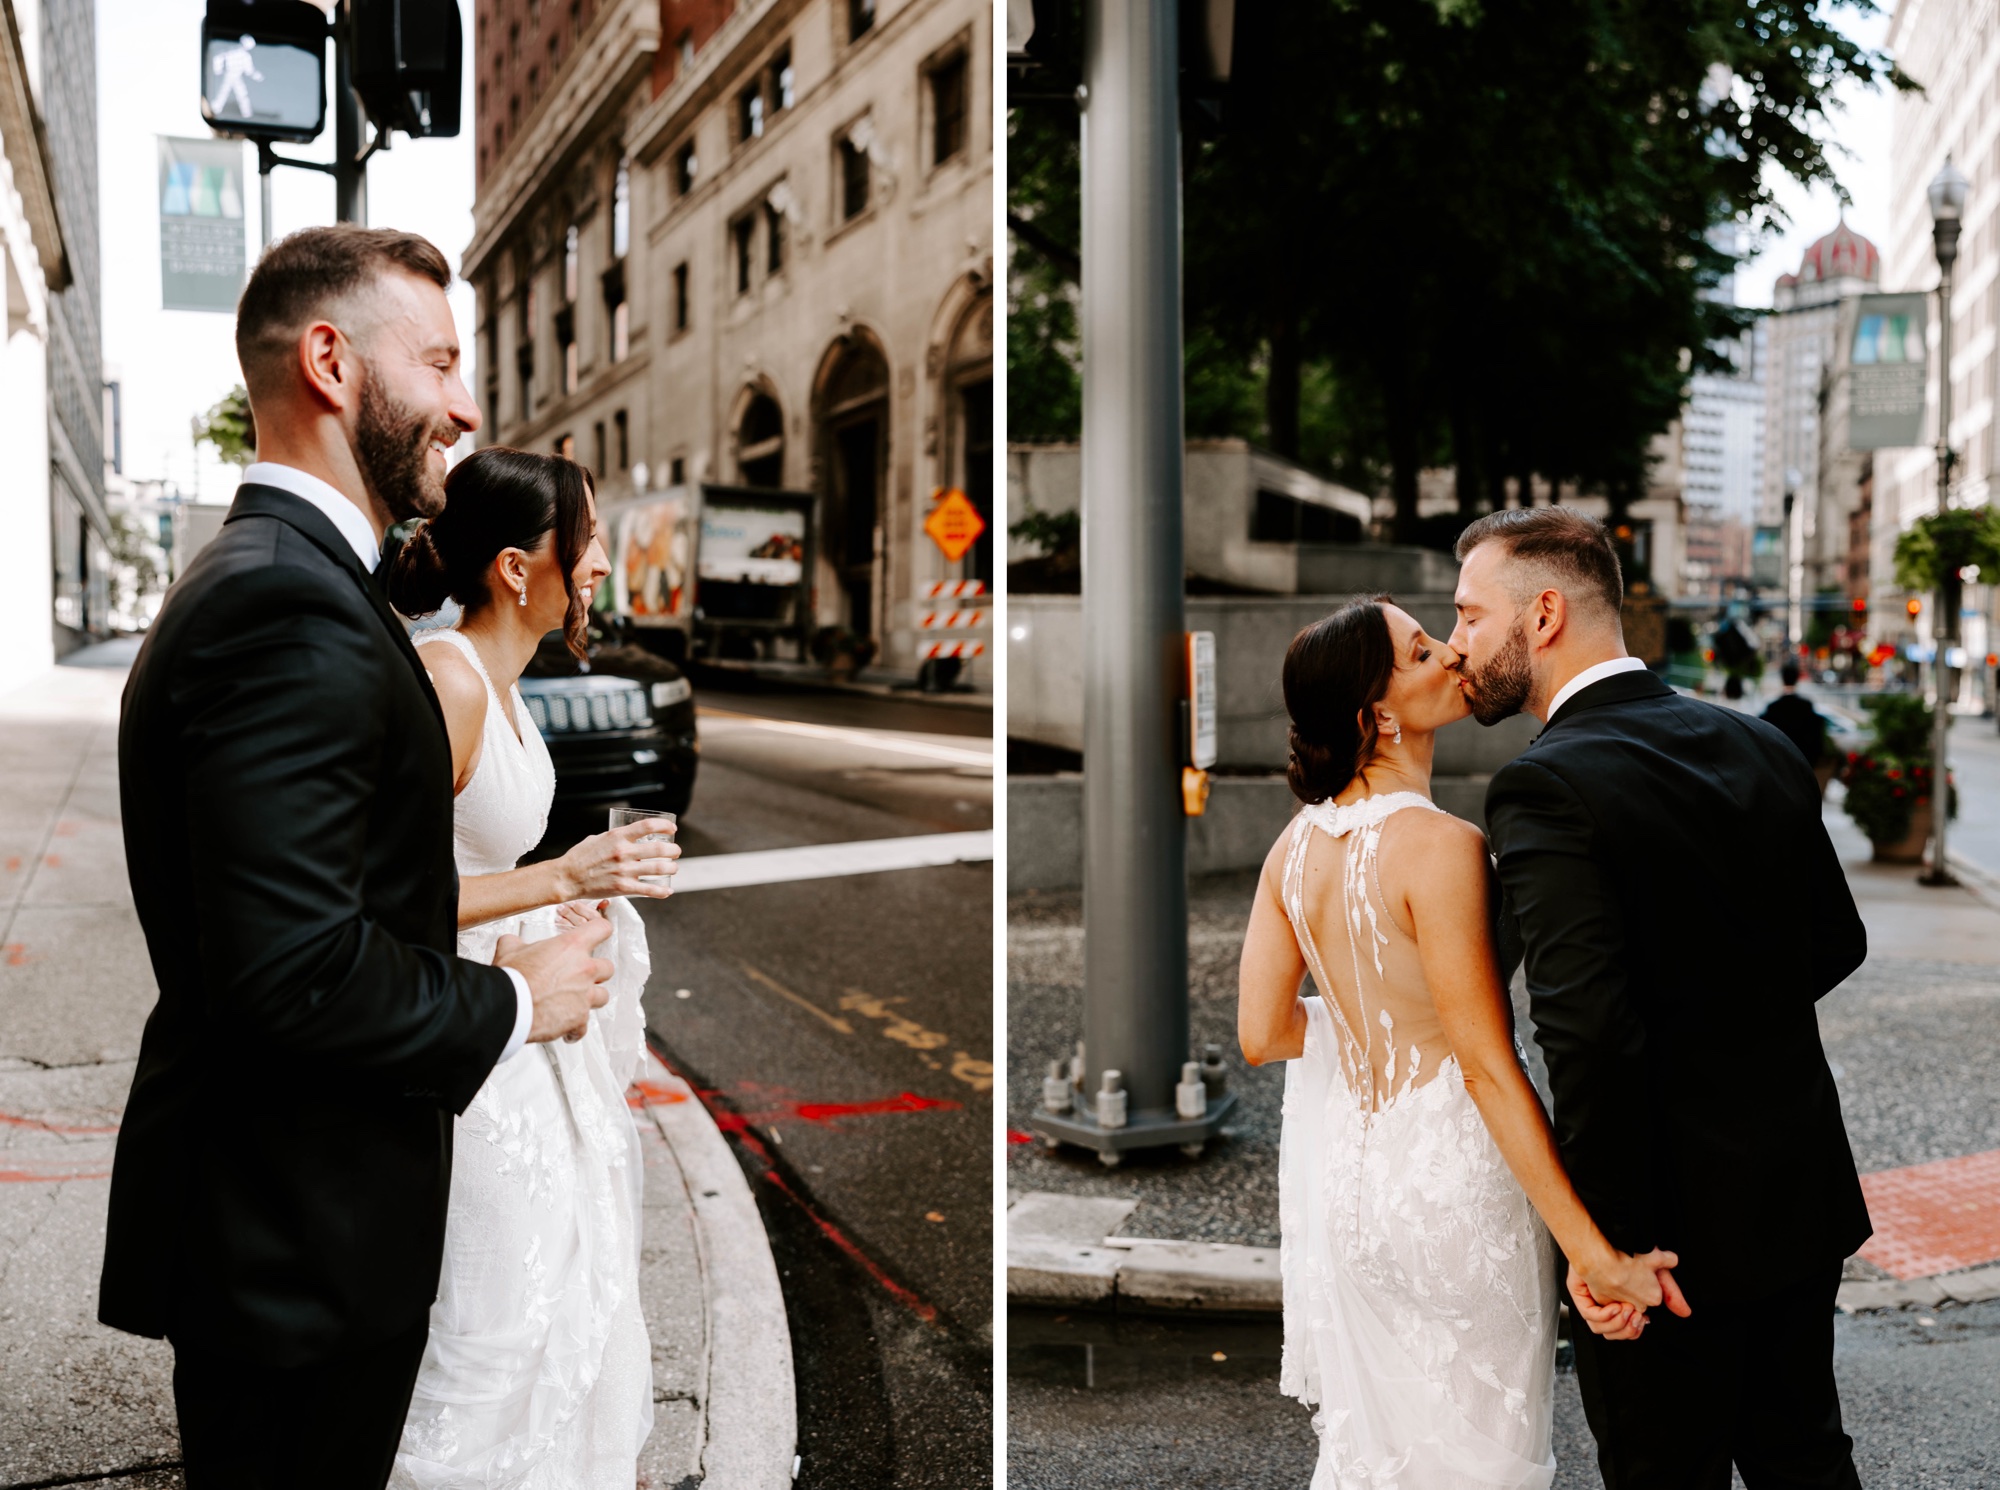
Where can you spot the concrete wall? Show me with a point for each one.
(1244, 818)
(1045, 677)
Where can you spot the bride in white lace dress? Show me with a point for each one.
(1419, 1281)
(538, 1372)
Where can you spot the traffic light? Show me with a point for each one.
(407, 56)
(263, 69)
(1914, 606)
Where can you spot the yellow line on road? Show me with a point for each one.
(804, 1003)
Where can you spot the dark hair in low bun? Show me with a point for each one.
(495, 499)
(1336, 670)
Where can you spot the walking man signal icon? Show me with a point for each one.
(235, 68)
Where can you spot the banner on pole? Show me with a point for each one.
(201, 224)
(1886, 372)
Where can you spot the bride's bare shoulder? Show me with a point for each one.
(1423, 841)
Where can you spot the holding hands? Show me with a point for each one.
(1612, 1291)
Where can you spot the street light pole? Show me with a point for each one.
(350, 170)
(1947, 198)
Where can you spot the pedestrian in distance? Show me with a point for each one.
(1417, 1167)
(1794, 717)
(1693, 1106)
(279, 1194)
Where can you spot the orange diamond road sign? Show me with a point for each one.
(954, 524)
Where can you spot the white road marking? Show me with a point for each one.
(819, 861)
(873, 739)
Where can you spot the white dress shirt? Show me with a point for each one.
(1594, 674)
(359, 532)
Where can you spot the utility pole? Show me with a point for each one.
(1134, 631)
(350, 160)
(1947, 200)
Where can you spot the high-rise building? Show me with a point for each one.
(1722, 457)
(749, 244)
(80, 528)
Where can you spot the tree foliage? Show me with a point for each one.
(1480, 232)
(229, 428)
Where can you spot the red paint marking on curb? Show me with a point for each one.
(21, 1177)
(65, 830)
(13, 863)
(28, 1122)
(714, 1103)
(54, 861)
(654, 1094)
(1015, 1135)
(1935, 1218)
(17, 954)
(826, 1112)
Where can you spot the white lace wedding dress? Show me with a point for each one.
(1419, 1284)
(538, 1374)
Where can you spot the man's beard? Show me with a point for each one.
(1500, 689)
(393, 447)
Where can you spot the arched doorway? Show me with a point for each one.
(760, 442)
(853, 419)
(968, 410)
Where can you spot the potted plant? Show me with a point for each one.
(1889, 786)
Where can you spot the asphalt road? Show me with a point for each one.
(841, 1030)
(1186, 1402)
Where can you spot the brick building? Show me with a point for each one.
(748, 244)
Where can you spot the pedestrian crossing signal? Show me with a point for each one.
(263, 69)
(407, 64)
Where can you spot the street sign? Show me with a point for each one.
(954, 524)
(1201, 699)
(263, 69)
(1886, 372)
(201, 224)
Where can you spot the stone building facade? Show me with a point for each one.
(749, 244)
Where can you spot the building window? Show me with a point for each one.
(853, 179)
(750, 114)
(860, 18)
(524, 350)
(684, 48)
(555, 54)
(774, 240)
(677, 471)
(534, 85)
(514, 44)
(597, 448)
(621, 210)
(760, 443)
(514, 116)
(572, 263)
(617, 313)
(779, 75)
(575, 20)
(741, 232)
(680, 297)
(566, 343)
(947, 90)
(685, 169)
(621, 427)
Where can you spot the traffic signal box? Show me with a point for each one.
(263, 69)
(407, 56)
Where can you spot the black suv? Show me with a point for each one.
(620, 727)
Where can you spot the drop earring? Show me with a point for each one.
(524, 593)
(1397, 737)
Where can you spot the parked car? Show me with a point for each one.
(620, 727)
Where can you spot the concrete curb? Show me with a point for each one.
(1061, 1253)
(746, 1436)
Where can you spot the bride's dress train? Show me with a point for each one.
(1419, 1284)
(538, 1374)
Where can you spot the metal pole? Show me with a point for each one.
(350, 177)
(1135, 834)
(1944, 625)
(265, 161)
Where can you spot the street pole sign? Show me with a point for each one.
(1201, 699)
(1886, 372)
(201, 224)
(954, 524)
(263, 70)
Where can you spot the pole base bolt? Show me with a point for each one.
(1214, 1075)
(1111, 1101)
(1191, 1095)
(1055, 1089)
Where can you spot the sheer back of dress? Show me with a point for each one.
(1363, 963)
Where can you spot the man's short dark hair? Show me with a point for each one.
(305, 274)
(1790, 673)
(1570, 547)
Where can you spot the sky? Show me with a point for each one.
(175, 364)
(1861, 131)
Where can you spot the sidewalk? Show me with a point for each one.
(84, 1403)
(1910, 1036)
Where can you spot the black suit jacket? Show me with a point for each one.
(1681, 909)
(283, 1165)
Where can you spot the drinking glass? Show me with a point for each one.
(623, 816)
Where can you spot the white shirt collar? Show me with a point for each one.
(343, 514)
(1589, 675)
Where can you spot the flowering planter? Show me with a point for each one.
(1910, 848)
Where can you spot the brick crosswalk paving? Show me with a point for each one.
(1935, 1218)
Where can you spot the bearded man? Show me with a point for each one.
(278, 1198)
(1693, 1105)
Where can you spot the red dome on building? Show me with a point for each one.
(1841, 254)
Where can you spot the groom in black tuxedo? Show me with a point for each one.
(1663, 864)
(278, 1198)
